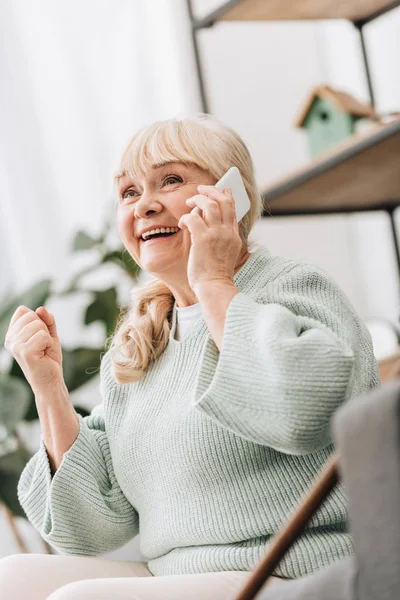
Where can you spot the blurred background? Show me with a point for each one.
(316, 97)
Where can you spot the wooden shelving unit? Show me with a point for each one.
(363, 174)
(293, 10)
(358, 12)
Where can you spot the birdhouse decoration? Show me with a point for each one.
(330, 116)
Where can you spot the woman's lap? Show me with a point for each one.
(215, 586)
(44, 577)
(36, 576)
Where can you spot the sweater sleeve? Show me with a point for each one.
(81, 509)
(280, 375)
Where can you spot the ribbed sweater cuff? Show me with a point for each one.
(39, 491)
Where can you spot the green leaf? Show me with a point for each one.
(31, 413)
(84, 363)
(11, 467)
(8, 493)
(123, 260)
(33, 297)
(104, 308)
(14, 462)
(14, 400)
(84, 241)
(82, 411)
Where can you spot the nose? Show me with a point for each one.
(146, 205)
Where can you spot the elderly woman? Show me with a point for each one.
(217, 391)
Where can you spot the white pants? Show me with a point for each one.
(59, 577)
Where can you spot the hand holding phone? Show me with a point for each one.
(232, 179)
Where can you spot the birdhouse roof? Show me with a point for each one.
(342, 100)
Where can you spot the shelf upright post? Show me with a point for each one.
(395, 236)
(203, 95)
(359, 25)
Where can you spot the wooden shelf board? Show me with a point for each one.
(292, 10)
(363, 173)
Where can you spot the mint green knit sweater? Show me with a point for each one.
(211, 451)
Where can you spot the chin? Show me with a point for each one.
(164, 263)
(157, 263)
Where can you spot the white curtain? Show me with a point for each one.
(78, 78)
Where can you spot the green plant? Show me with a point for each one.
(17, 402)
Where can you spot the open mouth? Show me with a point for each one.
(158, 236)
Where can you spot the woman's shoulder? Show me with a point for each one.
(307, 290)
(274, 270)
(304, 288)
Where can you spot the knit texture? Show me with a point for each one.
(211, 451)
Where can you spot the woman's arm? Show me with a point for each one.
(285, 367)
(215, 298)
(81, 509)
(59, 423)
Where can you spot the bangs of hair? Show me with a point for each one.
(171, 141)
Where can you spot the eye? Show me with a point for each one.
(127, 192)
(173, 179)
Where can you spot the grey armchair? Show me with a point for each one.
(366, 433)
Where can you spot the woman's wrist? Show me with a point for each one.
(215, 298)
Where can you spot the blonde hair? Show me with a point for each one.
(143, 328)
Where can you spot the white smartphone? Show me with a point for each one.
(232, 179)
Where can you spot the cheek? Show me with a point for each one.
(125, 228)
(124, 221)
(179, 206)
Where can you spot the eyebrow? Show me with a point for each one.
(120, 175)
(124, 172)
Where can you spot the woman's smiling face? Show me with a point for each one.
(158, 200)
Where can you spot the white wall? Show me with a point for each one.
(79, 79)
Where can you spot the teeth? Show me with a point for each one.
(161, 230)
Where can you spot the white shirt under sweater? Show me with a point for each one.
(186, 317)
